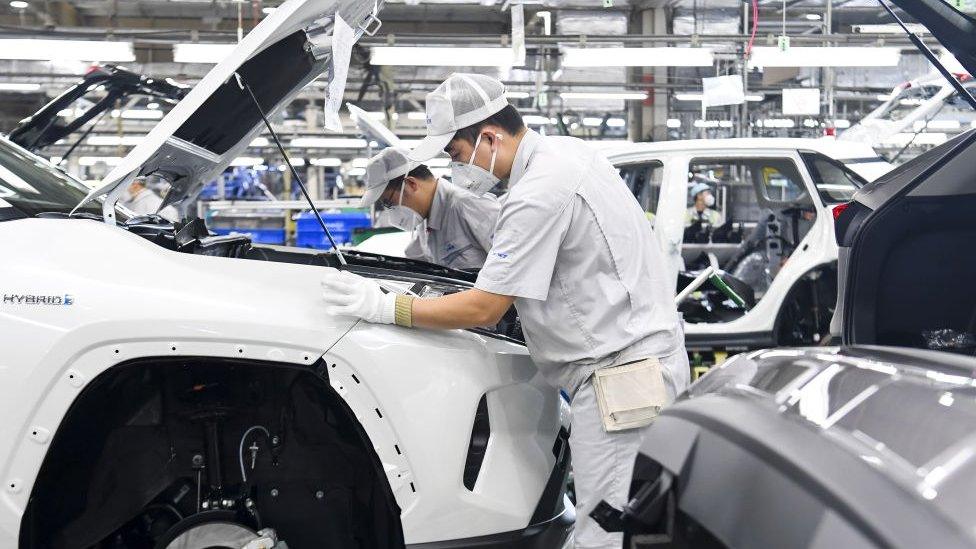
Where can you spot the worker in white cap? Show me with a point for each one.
(452, 227)
(702, 209)
(573, 252)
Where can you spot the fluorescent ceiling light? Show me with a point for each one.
(810, 123)
(115, 140)
(18, 4)
(326, 162)
(674, 123)
(535, 119)
(415, 56)
(842, 124)
(937, 125)
(883, 96)
(825, 57)
(268, 10)
(152, 105)
(141, 114)
(812, 17)
(259, 142)
(417, 115)
(360, 162)
(328, 143)
(35, 49)
(592, 121)
(247, 161)
(889, 28)
(356, 172)
(616, 122)
(755, 97)
(688, 96)
(637, 96)
(517, 95)
(295, 161)
(637, 57)
(776, 123)
(92, 160)
(201, 53)
(19, 86)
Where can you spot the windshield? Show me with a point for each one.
(835, 183)
(30, 184)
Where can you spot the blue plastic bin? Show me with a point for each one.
(259, 236)
(308, 233)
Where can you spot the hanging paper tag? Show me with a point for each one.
(722, 90)
(343, 38)
(518, 35)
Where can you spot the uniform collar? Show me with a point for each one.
(525, 149)
(442, 198)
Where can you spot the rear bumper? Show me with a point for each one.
(550, 534)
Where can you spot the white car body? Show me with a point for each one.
(83, 302)
(817, 248)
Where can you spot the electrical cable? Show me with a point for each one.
(240, 453)
(755, 27)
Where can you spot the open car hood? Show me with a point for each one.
(954, 29)
(217, 120)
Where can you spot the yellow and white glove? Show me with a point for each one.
(348, 294)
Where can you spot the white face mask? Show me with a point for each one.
(475, 178)
(709, 200)
(401, 216)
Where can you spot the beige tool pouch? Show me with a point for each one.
(631, 395)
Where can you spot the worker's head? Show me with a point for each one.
(702, 196)
(402, 187)
(136, 187)
(469, 118)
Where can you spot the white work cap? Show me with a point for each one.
(389, 164)
(460, 101)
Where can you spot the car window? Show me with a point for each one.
(835, 183)
(732, 181)
(33, 186)
(644, 180)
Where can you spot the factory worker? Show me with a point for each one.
(451, 226)
(573, 252)
(141, 200)
(702, 209)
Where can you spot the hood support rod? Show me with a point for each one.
(963, 92)
(294, 173)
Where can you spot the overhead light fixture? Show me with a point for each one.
(755, 97)
(328, 143)
(295, 161)
(635, 96)
(268, 10)
(812, 17)
(326, 162)
(247, 161)
(592, 121)
(889, 28)
(684, 96)
(19, 86)
(637, 57)
(673, 123)
(416, 115)
(417, 56)
(259, 142)
(201, 53)
(92, 160)
(883, 96)
(842, 123)
(356, 172)
(776, 123)
(360, 162)
(616, 122)
(517, 94)
(152, 105)
(19, 4)
(115, 140)
(841, 56)
(36, 49)
(535, 120)
(141, 114)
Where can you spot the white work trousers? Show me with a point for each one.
(603, 462)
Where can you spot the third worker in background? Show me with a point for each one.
(451, 227)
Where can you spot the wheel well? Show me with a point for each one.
(153, 443)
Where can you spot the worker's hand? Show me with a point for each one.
(348, 294)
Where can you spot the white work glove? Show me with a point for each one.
(348, 294)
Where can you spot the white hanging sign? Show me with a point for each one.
(343, 37)
(801, 101)
(722, 90)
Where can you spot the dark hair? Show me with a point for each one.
(420, 172)
(507, 119)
